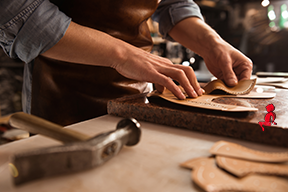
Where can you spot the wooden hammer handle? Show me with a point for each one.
(38, 125)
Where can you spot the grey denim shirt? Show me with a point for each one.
(31, 27)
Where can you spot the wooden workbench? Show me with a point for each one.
(152, 165)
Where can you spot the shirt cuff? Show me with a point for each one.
(170, 12)
(34, 30)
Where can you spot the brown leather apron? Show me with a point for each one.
(66, 93)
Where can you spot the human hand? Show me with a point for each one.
(143, 66)
(222, 60)
(228, 64)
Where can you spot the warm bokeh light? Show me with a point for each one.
(265, 3)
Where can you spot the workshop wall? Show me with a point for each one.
(264, 39)
(261, 37)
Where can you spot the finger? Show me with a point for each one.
(229, 75)
(180, 76)
(244, 70)
(243, 74)
(183, 74)
(242, 66)
(190, 74)
(159, 88)
(164, 81)
(176, 72)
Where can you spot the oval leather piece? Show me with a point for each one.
(243, 87)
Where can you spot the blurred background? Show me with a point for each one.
(259, 28)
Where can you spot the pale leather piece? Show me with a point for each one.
(278, 85)
(228, 149)
(210, 178)
(242, 168)
(279, 82)
(243, 87)
(206, 101)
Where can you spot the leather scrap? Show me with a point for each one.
(237, 168)
(228, 149)
(241, 168)
(279, 82)
(209, 177)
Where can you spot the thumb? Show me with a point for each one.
(229, 76)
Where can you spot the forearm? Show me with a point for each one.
(171, 12)
(84, 45)
(196, 35)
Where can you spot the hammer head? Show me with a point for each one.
(75, 156)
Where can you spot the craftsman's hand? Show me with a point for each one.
(222, 60)
(143, 66)
(228, 64)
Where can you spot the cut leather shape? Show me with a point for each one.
(243, 87)
(210, 178)
(278, 85)
(279, 82)
(228, 149)
(206, 101)
(242, 168)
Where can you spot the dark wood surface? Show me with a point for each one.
(241, 125)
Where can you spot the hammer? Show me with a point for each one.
(80, 152)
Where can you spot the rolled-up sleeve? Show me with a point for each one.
(170, 12)
(30, 27)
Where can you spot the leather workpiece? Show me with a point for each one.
(240, 167)
(213, 173)
(244, 89)
(209, 177)
(225, 148)
(65, 93)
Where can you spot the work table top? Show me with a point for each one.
(151, 165)
(240, 125)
